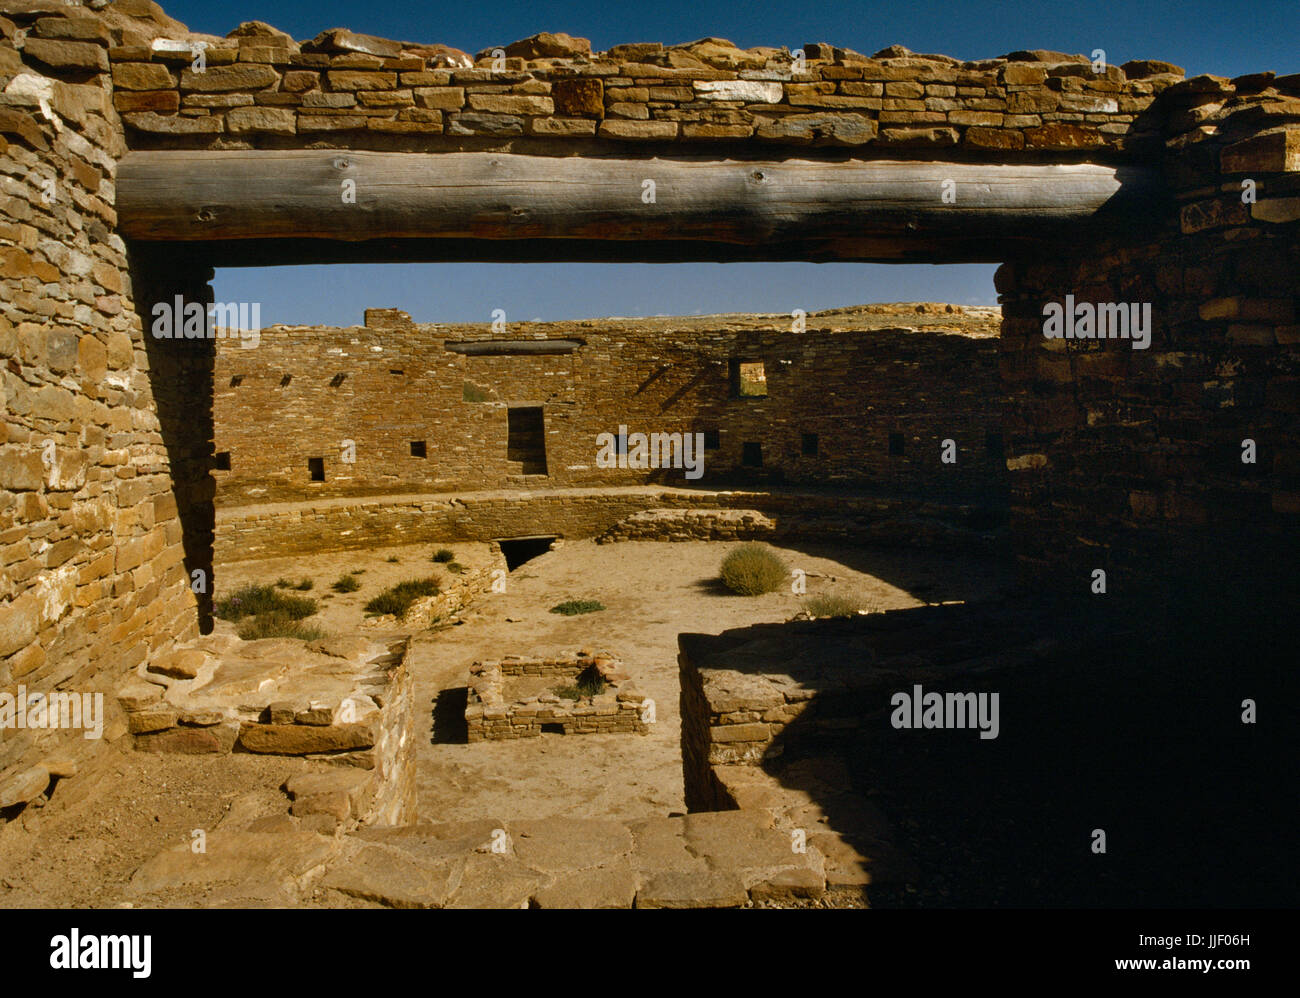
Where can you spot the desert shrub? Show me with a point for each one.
(278, 624)
(444, 555)
(573, 607)
(283, 583)
(752, 569)
(253, 600)
(346, 583)
(590, 683)
(834, 605)
(304, 585)
(455, 567)
(393, 560)
(398, 599)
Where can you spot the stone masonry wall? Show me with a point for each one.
(261, 88)
(1177, 466)
(92, 574)
(844, 382)
(351, 524)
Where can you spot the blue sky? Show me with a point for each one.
(1203, 37)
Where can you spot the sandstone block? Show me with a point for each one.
(142, 76)
(579, 97)
(301, 739)
(818, 129)
(221, 79)
(277, 121)
(23, 786)
(637, 130)
(67, 55)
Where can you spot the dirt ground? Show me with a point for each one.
(81, 847)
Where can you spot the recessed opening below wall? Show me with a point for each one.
(552, 729)
(518, 550)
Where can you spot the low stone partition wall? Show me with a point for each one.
(245, 532)
(515, 698)
(460, 591)
(764, 694)
(346, 701)
(691, 525)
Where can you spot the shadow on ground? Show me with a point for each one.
(1128, 721)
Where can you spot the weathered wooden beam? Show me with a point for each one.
(791, 209)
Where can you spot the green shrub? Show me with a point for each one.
(753, 569)
(283, 583)
(444, 554)
(398, 599)
(304, 585)
(252, 600)
(834, 605)
(455, 567)
(573, 607)
(346, 583)
(393, 560)
(278, 624)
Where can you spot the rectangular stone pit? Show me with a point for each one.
(514, 698)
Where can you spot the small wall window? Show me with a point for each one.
(222, 461)
(895, 445)
(393, 370)
(748, 379)
(751, 455)
(337, 380)
(284, 382)
(316, 466)
(418, 449)
(236, 380)
(808, 445)
(712, 439)
(993, 443)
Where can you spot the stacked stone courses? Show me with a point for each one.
(850, 378)
(359, 91)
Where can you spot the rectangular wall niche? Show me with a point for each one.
(419, 448)
(809, 445)
(751, 454)
(316, 468)
(526, 439)
(895, 445)
(222, 461)
(748, 379)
